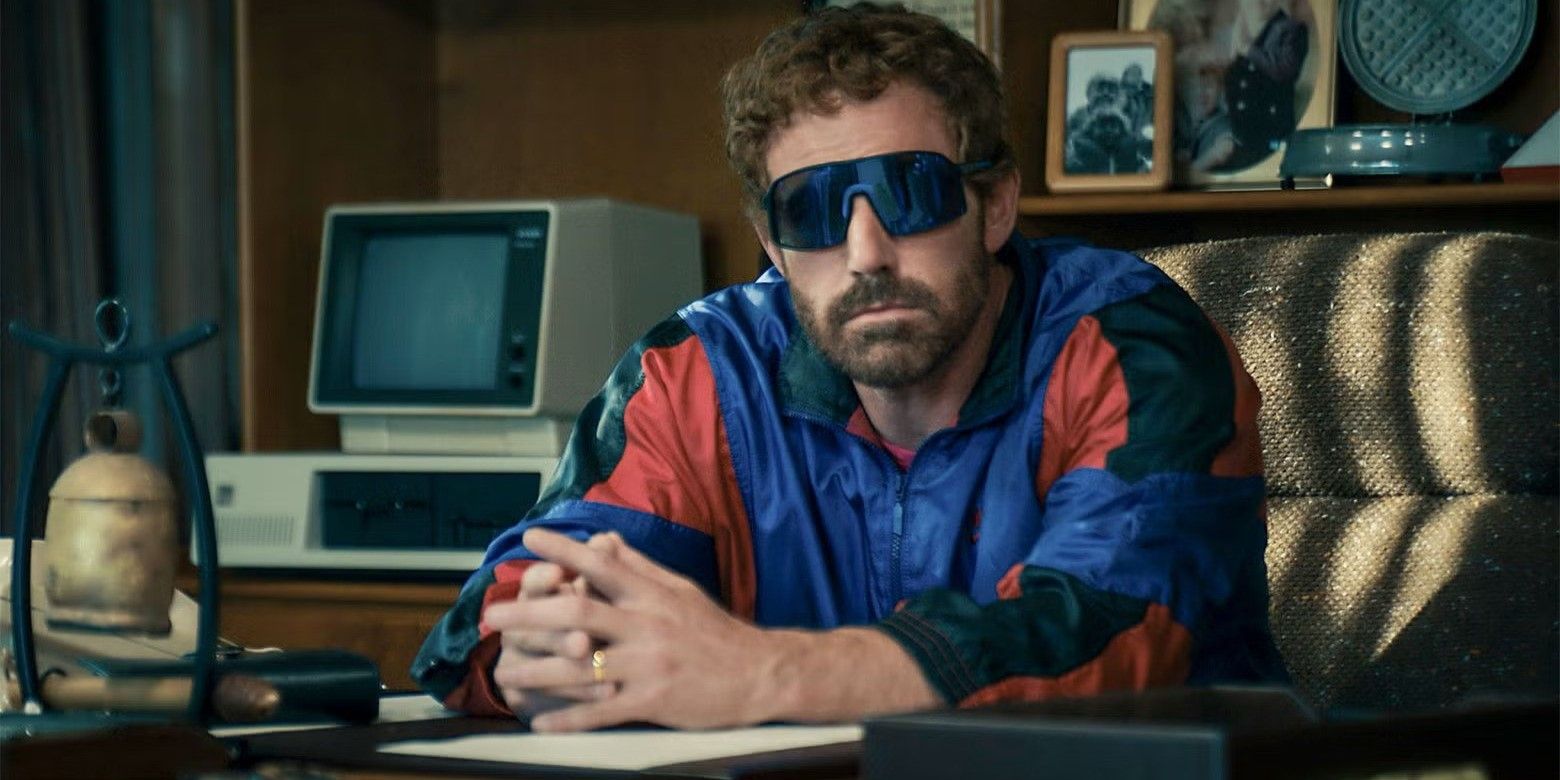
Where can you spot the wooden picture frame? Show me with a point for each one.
(1247, 73)
(1109, 119)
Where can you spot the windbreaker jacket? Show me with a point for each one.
(1093, 520)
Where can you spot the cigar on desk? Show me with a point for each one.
(236, 698)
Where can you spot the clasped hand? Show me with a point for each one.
(669, 654)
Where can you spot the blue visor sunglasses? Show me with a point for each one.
(911, 192)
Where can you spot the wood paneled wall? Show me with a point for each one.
(590, 98)
(336, 103)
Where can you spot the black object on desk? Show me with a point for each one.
(314, 684)
(1205, 733)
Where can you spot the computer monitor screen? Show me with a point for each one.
(446, 343)
(429, 309)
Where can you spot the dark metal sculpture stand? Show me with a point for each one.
(62, 357)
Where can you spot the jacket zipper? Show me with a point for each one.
(897, 538)
(899, 532)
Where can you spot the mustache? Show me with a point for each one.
(876, 290)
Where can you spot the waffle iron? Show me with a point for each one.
(1427, 58)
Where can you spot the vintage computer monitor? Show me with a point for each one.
(484, 329)
(457, 342)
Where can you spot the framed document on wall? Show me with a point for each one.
(977, 20)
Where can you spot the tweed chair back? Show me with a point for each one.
(1411, 437)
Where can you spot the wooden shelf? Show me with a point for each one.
(1355, 197)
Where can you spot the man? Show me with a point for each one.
(1101, 93)
(1269, 51)
(1137, 100)
(1105, 144)
(921, 462)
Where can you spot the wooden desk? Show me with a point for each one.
(383, 621)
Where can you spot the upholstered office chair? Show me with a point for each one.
(1410, 425)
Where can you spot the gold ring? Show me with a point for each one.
(598, 665)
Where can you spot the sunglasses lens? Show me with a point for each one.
(800, 216)
(911, 192)
(930, 193)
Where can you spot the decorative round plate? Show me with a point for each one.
(1433, 56)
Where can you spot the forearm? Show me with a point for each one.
(840, 675)
(1048, 635)
(975, 654)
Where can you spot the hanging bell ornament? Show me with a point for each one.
(111, 542)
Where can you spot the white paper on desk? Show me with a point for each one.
(626, 748)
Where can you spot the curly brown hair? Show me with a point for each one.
(818, 61)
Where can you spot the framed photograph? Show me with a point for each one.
(978, 20)
(1248, 73)
(1109, 118)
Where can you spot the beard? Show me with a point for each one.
(897, 354)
